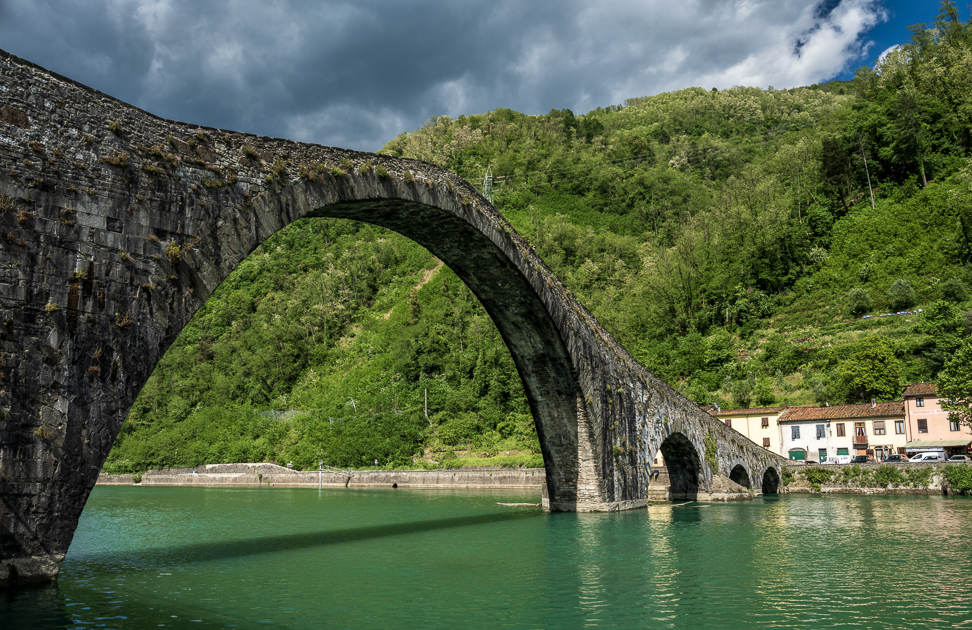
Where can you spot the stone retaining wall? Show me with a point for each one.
(270, 474)
(937, 485)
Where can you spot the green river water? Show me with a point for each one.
(151, 557)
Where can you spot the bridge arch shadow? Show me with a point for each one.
(684, 466)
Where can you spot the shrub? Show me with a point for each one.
(901, 294)
(918, 477)
(954, 290)
(859, 301)
(346, 164)
(710, 452)
(50, 307)
(459, 430)
(365, 167)
(118, 159)
(817, 476)
(382, 172)
(888, 475)
(115, 127)
(249, 152)
(174, 252)
(959, 478)
(409, 178)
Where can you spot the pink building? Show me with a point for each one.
(928, 425)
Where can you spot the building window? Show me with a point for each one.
(820, 431)
(919, 402)
(840, 430)
(765, 422)
(922, 425)
(899, 427)
(766, 443)
(953, 425)
(879, 427)
(729, 422)
(795, 432)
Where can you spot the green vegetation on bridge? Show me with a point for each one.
(743, 244)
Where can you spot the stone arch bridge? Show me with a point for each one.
(117, 225)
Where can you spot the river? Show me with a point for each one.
(176, 557)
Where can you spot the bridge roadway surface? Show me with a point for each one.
(117, 226)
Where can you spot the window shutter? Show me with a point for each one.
(879, 424)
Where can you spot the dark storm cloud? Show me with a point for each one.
(355, 74)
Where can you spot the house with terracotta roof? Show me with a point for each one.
(815, 433)
(756, 423)
(929, 427)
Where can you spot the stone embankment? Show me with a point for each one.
(273, 475)
(893, 479)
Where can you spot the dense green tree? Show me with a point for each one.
(871, 372)
(955, 384)
(901, 294)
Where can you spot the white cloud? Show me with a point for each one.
(335, 71)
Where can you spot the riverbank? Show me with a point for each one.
(273, 475)
(868, 479)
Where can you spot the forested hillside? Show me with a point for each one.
(744, 244)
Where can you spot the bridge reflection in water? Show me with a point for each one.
(728, 565)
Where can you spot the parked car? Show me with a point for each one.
(959, 458)
(859, 459)
(927, 457)
(895, 459)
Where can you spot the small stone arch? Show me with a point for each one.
(740, 475)
(684, 466)
(771, 481)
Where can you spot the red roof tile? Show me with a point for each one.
(921, 389)
(894, 408)
(753, 411)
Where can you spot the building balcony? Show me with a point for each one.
(860, 440)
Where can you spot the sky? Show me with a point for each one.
(355, 74)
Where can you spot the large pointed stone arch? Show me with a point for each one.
(117, 225)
